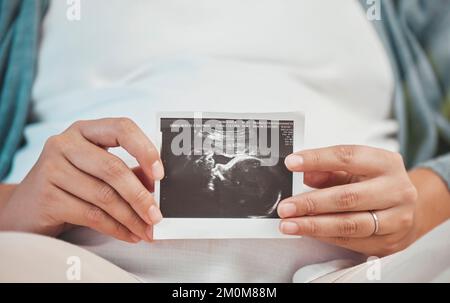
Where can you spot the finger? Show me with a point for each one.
(113, 132)
(76, 211)
(394, 220)
(360, 160)
(354, 225)
(372, 194)
(103, 165)
(145, 180)
(99, 193)
(317, 179)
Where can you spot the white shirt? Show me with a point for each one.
(134, 58)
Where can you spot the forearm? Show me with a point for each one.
(6, 190)
(433, 205)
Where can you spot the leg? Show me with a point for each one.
(35, 258)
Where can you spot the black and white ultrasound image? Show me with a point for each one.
(223, 182)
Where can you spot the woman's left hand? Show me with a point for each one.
(364, 201)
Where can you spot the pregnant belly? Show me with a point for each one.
(213, 86)
(249, 260)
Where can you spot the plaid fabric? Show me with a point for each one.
(19, 29)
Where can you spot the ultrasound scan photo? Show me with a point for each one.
(224, 168)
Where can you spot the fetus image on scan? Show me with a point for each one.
(216, 182)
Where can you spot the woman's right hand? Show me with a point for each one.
(76, 181)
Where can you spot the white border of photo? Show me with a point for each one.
(228, 228)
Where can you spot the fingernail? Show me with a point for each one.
(289, 228)
(149, 232)
(135, 238)
(157, 170)
(154, 214)
(293, 161)
(287, 209)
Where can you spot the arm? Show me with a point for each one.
(6, 191)
(76, 181)
(433, 203)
